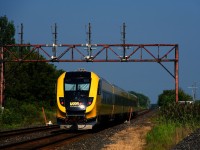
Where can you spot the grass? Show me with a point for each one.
(173, 123)
(166, 135)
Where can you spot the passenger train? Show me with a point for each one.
(84, 100)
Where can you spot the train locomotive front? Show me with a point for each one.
(77, 93)
(84, 100)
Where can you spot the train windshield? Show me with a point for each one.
(77, 85)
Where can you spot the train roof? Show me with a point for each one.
(83, 70)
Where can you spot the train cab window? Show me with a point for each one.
(70, 87)
(77, 85)
(83, 86)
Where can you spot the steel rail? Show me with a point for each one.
(26, 130)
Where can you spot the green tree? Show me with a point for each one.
(7, 31)
(33, 82)
(29, 82)
(168, 96)
(144, 101)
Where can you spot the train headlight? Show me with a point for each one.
(89, 102)
(62, 101)
(82, 106)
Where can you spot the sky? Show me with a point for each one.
(147, 22)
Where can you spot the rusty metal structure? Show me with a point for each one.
(159, 53)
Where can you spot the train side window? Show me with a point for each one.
(99, 88)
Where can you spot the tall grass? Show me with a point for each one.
(175, 122)
(159, 137)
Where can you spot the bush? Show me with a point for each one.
(30, 113)
(21, 114)
(181, 113)
(9, 117)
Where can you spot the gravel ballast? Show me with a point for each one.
(109, 138)
(191, 142)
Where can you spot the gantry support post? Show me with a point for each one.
(2, 80)
(176, 72)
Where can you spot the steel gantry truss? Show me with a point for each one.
(159, 53)
(102, 53)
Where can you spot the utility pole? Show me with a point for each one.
(194, 87)
(124, 41)
(89, 44)
(89, 41)
(54, 42)
(21, 33)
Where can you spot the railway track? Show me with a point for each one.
(9, 133)
(55, 138)
(48, 137)
(13, 137)
(46, 142)
(105, 135)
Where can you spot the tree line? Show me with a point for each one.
(143, 100)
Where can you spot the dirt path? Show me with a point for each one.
(132, 138)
